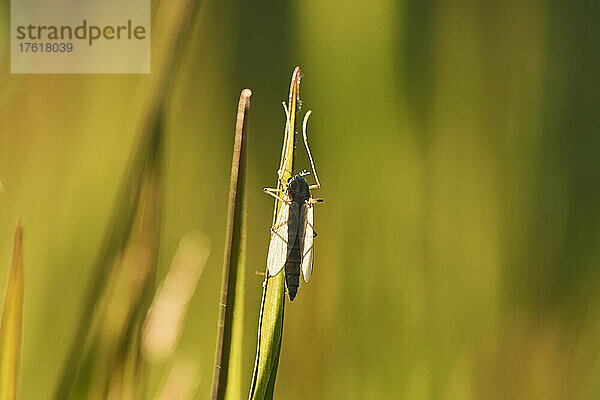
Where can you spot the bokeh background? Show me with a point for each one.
(457, 144)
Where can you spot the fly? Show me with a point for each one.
(291, 246)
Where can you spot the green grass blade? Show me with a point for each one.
(181, 381)
(131, 242)
(271, 384)
(12, 321)
(228, 373)
(270, 325)
(165, 319)
(123, 285)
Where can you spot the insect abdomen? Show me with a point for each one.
(292, 268)
(294, 256)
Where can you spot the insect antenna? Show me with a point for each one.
(312, 164)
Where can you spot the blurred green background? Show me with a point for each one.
(457, 144)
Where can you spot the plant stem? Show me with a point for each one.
(12, 322)
(270, 325)
(227, 380)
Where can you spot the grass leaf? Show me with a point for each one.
(165, 319)
(104, 358)
(124, 274)
(12, 321)
(270, 325)
(181, 381)
(228, 373)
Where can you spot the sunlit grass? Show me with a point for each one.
(104, 360)
(458, 142)
(228, 364)
(166, 316)
(270, 329)
(11, 324)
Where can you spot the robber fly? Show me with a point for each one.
(291, 245)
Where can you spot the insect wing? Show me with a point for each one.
(278, 246)
(307, 258)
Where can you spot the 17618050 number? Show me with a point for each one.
(46, 47)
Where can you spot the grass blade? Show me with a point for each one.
(12, 321)
(165, 319)
(228, 374)
(181, 382)
(131, 242)
(119, 295)
(270, 325)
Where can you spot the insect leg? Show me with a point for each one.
(307, 251)
(274, 230)
(273, 192)
(313, 229)
(275, 227)
(312, 164)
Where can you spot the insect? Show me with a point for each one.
(291, 246)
